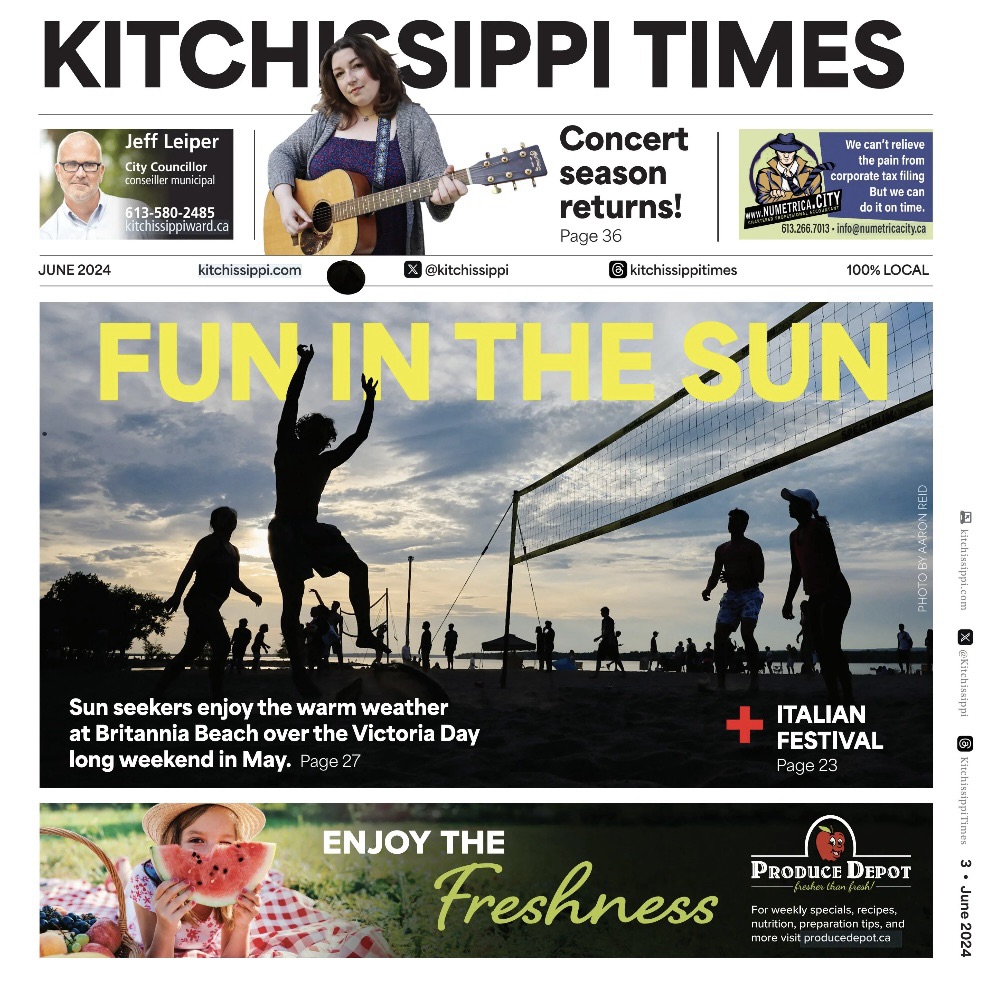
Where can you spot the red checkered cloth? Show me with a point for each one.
(289, 924)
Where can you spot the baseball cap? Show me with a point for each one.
(803, 494)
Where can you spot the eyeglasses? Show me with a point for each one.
(89, 166)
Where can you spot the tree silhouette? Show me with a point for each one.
(82, 616)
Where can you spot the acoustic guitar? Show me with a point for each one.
(342, 208)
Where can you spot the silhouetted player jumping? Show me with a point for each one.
(300, 545)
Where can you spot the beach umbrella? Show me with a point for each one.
(514, 643)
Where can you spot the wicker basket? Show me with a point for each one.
(128, 946)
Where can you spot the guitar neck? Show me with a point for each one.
(393, 196)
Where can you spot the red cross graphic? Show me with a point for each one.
(744, 724)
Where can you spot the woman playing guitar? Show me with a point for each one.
(365, 123)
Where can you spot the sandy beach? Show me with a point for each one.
(563, 729)
(657, 729)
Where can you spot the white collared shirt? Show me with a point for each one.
(789, 175)
(108, 221)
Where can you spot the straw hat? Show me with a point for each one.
(249, 818)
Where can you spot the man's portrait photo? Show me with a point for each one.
(85, 210)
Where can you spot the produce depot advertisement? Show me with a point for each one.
(504, 445)
(525, 880)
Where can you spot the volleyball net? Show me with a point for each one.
(684, 449)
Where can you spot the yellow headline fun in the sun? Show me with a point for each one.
(593, 354)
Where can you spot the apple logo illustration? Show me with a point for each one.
(830, 844)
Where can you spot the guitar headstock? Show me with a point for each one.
(505, 167)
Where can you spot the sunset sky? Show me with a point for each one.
(127, 486)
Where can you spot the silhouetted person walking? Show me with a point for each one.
(451, 642)
(300, 545)
(381, 634)
(904, 646)
(814, 563)
(609, 644)
(739, 564)
(215, 563)
(259, 647)
(238, 646)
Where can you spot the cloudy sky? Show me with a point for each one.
(127, 485)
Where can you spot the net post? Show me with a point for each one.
(510, 590)
(407, 620)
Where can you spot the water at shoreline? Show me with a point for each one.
(631, 662)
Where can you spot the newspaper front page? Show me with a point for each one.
(497, 448)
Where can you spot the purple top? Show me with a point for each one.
(343, 154)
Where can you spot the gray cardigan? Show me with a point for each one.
(421, 153)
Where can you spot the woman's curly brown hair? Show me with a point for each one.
(382, 68)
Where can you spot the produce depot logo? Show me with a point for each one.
(830, 862)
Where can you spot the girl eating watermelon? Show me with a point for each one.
(207, 892)
(168, 917)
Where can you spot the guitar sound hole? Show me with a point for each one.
(322, 216)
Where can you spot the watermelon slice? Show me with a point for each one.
(217, 878)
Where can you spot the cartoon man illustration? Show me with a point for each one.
(787, 175)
